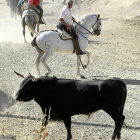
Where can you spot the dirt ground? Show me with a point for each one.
(114, 54)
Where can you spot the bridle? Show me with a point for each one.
(92, 33)
(98, 18)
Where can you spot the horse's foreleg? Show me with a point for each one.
(32, 32)
(44, 59)
(38, 62)
(88, 61)
(25, 41)
(37, 27)
(78, 67)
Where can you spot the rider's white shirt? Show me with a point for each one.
(66, 14)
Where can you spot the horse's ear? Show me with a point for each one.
(98, 15)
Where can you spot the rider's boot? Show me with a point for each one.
(80, 52)
(40, 20)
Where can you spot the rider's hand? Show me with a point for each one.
(73, 19)
(69, 28)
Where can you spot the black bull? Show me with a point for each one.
(68, 97)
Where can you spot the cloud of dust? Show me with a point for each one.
(6, 101)
(13, 33)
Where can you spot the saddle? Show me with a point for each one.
(33, 7)
(63, 35)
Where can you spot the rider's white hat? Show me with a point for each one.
(70, 1)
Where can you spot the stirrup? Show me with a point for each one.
(41, 22)
(80, 53)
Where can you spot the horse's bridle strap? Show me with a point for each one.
(84, 27)
(92, 26)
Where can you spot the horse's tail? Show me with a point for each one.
(28, 22)
(31, 27)
(33, 42)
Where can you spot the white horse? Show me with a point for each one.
(49, 42)
(31, 19)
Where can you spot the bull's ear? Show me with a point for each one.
(33, 78)
(98, 15)
(19, 74)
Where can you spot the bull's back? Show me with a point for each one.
(112, 94)
(83, 97)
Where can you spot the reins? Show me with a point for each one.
(83, 36)
(79, 32)
(76, 49)
(85, 28)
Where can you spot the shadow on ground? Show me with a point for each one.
(73, 122)
(5, 101)
(126, 81)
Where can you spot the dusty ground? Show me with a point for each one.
(114, 54)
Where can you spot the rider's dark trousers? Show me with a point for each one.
(40, 9)
(62, 26)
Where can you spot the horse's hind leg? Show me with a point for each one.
(119, 119)
(44, 59)
(23, 24)
(34, 26)
(88, 61)
(37, 27)
(38, 62)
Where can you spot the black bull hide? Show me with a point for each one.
(68, 97)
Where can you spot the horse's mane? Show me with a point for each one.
(85, 18)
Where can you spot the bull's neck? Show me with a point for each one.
(44, 91)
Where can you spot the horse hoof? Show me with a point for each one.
(85, 66)
(25, 41)
(47, 74)
(82, 76)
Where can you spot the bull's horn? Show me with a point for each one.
(19, 74)
(33, 78)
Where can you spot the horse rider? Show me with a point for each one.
(19, 6)
(36, 4)
(66, 23)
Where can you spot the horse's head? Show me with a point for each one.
(97, 26)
